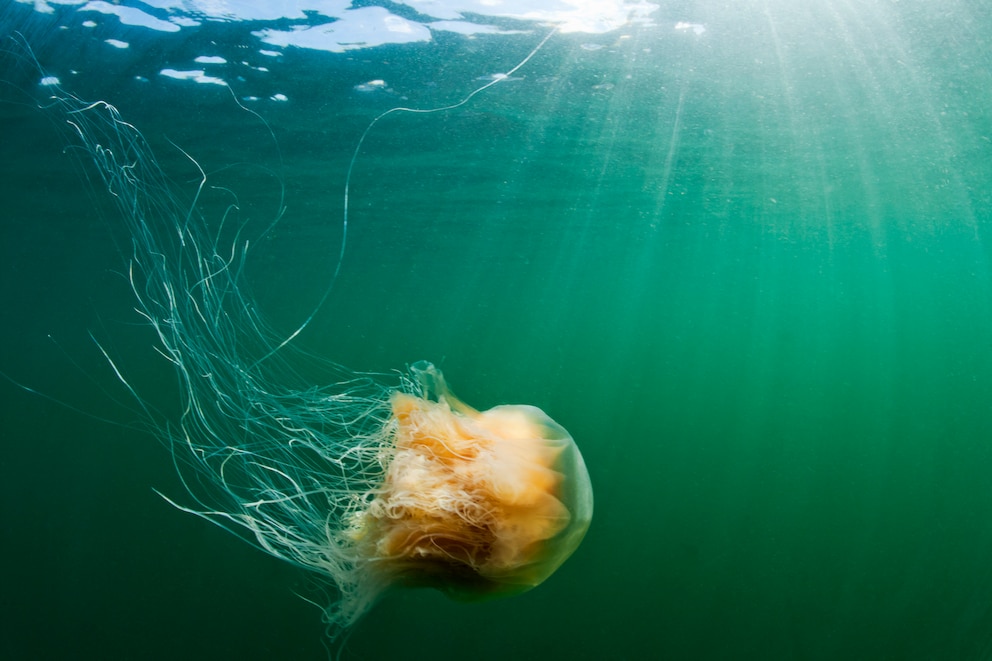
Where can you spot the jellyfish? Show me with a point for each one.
(364, 481)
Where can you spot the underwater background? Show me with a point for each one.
(740, 251)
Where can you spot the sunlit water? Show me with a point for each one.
(745, 267)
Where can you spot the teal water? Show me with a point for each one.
(748, 271)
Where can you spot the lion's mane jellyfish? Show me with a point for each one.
(377, 487)
(474, 503)
(365, 484)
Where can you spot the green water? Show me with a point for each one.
(748, 272)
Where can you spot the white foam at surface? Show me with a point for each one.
(357, 28)
(196, 75)
(131, 16)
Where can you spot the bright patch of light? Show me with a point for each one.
(131, 16)
(197, 76)
(697, 28)
(358, 28)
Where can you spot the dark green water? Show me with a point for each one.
(749, 272)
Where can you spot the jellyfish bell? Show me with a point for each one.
(476, 504)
